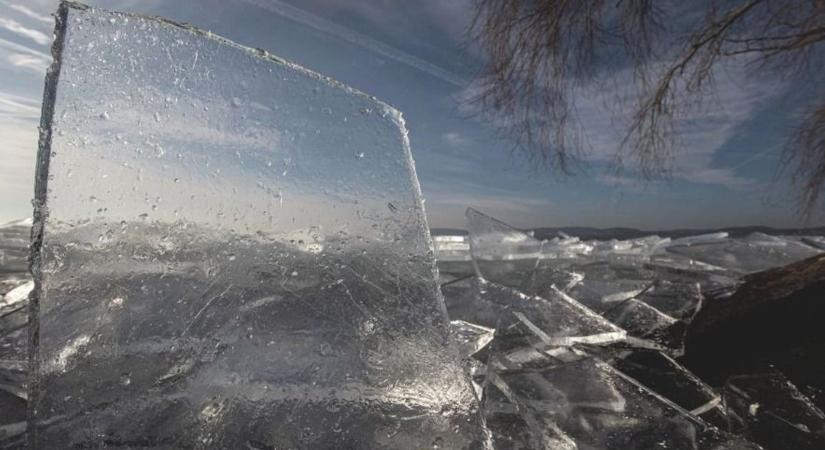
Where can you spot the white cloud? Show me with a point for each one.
(34, 63)
(455, 138)
(353, 37)
(603, 115)
(16, 107)
(17, 48)
(31, 14)
(17, 170)
(15, 27)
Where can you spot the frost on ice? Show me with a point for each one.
(232, 253)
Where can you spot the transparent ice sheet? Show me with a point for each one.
(592, 405)
(501, 253)
(231, 253)
(554, 320)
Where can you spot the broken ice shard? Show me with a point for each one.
(585, 403)
(500, 252)
(668, 378)
(556, 320)
(754, 253)
(472, 338)
(508, 430)
(677, 299)
(231, 253)
(651, 327)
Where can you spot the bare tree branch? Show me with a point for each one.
(542, 52)
(804, 156)
(539, 51)
(650, 138)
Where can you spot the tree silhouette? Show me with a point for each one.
(541, 53)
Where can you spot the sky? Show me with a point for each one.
(416, 56)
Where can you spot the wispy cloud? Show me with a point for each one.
(455, 138)
(16, 107)
(702, 132)
(33, 63)
(353, 37)
(15, 47)
(30, 33)
(17, 170)
(24, 57)
(29, 13)
(602, 111)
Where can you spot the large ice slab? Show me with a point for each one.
(231, 253)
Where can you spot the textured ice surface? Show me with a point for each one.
(586, 403)
(232, 253)
(669, 379)
(678, 299)
(556, 320)
(753, 253)
(472, 338)
(647, 323)
(586, 332)
(508, 429)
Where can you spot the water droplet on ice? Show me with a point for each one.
(294, 273)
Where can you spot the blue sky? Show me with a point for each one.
(415, 56)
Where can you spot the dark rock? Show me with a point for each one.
(774, 320)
